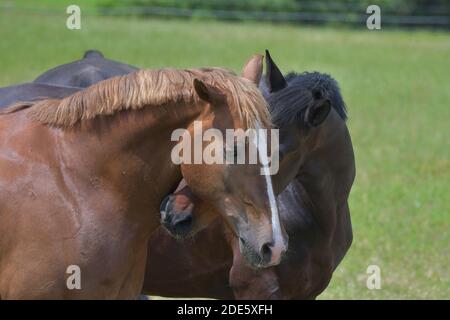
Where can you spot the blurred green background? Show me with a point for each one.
(396, 83)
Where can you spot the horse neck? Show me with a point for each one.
(327, 174)
(130, 153)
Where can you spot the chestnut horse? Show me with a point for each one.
(78, 179)
(318, 167)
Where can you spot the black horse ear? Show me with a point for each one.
(317, 113)
(274, 78)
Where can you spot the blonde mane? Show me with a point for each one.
(150, 88)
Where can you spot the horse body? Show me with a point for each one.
(100, 216)
(198, 267)
(66, 79)
(33, 91)
(84, 72)
(314, 209)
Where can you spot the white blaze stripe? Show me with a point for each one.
(276, 229)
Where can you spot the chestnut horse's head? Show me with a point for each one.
(240, 190)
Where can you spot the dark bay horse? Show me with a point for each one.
(33, 91)
(317, 171)
(94, 67)
(65, 79)
(82, 178)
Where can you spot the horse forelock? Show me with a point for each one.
(288, 105)
(152, 88)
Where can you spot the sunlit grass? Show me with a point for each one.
(397, 87)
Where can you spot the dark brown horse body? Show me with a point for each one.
(92, 68)
(78, 175)
(66, 79)
(318, 166)
(33, 91)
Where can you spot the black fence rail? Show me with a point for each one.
(401, 13)
(433, 13)
(354, 17)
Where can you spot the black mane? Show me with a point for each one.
(288, 105)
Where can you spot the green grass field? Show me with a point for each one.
(396, 85)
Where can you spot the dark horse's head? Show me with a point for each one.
(301, 106)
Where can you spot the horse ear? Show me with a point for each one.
(253, 68)
(202, 90)
(274, 78)
(93, 54)
(317, 113)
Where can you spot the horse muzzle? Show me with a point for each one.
(264, 255)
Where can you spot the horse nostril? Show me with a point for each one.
(266, 252)
(182, 224)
